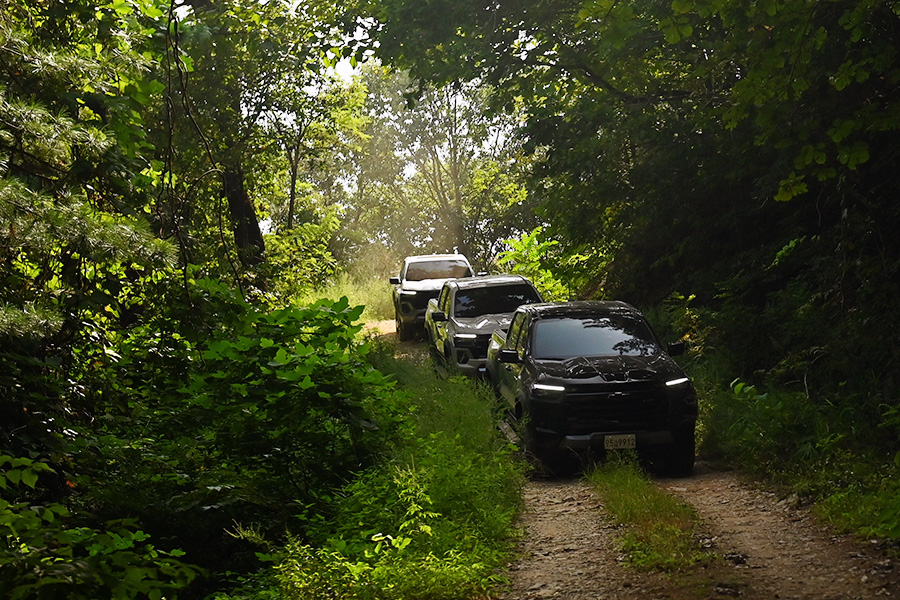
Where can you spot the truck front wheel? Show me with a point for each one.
(680, 461)
(403, 332)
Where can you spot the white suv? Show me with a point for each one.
(420, 280)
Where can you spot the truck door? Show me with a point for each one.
(508, 373)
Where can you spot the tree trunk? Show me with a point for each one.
(247, 235)
(294, 161)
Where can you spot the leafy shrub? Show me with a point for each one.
(533, 258)
(45, 554)
(242, 418)
(373, 294)
(298, 260)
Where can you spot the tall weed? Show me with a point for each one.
(373, 294)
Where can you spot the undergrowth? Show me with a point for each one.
(816, 449)
(659, 532)
(832, 439)
(432, 520)
(373, 294)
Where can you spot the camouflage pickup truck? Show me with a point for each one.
(460, 321)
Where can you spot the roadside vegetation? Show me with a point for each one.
(433, 518)
(835, 449)
(373, 293)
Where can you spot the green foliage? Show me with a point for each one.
(299, 260)
(531, 256)
(659, 533)
(45, 554)
(308, 574)
(436, 170)
(68, 139)
(72, 233)
(868, 509)
(201, 423)
(317, 120)
(374, 293)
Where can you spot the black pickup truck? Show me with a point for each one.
(593, 375)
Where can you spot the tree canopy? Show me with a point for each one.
(743, 154)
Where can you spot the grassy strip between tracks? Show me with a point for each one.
(660, 532)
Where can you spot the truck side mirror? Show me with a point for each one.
(395, 280)
(676, 348)
(438, 316)
(509, 356)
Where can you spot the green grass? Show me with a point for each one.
(659, 531)
(374, 294)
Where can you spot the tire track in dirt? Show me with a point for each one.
(568, 549)
(769, 549)
(777, 548)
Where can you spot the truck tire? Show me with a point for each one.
(680, 461)
(403, 332)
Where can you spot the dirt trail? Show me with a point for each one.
(779, 548)
(568, 550)
(771, 548)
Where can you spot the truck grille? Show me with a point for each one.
(417, 302)
(640, 407)
(478, 347)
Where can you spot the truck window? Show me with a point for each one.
(491, 300)
(437, 269)
(522, 339)
(593, 336)
(515, 328)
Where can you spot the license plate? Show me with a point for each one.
(618, 442)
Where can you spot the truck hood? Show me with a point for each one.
(425, 285)
(612, 368)
(485, 324)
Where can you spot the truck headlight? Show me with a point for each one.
(548, 392)
(464, 339)
(544, 387)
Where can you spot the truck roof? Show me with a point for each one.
(487, 281)
(430, 257)
(578, 308)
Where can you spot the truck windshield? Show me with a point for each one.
(495, 299)
(437, 269)
(614, 335)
